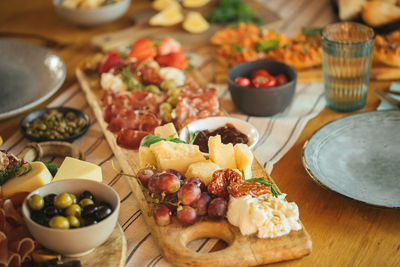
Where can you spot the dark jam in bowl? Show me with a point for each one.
(228, 133)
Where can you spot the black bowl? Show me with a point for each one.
(262, 101)
(36, 114)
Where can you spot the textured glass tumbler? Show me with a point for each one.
(346, 61)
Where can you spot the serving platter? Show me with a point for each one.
(358, 157)
(173, 239)
(29, 75)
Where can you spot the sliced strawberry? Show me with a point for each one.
(112, 60)
(143, 49)
(168, 46)
(176, 60)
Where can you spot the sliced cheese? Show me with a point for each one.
(75, 168)
(37, 177)
(203, 169)
(244, 159)
(165, 130)
(146, 157)
(221, 154)
(170, 155)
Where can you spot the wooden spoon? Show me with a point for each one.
(377, 13)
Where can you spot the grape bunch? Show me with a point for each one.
(188, 198)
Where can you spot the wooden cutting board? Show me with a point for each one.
(173, 239)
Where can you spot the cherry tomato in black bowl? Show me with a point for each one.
(243, 81)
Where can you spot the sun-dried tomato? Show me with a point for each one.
(149, 75)
(238, 189)
(221, 180)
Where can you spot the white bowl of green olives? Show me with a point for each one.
(71, 216)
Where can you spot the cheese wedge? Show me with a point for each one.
(244, 159)
(221, 154)
(146, 157)
(166, 130)
(75, 168)
(170, 155)
(37, 177)
(203, 169)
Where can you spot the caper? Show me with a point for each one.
(36, 202)
(85, 202)
(74, 209)
(63, 201)
(152, 89)
(73, 221)
(167, 84)
(59, 222)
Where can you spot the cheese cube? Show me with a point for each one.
(203, 169)
(221, 154)
(37, 177)
(166, 130)
(146, 157)
(244, 159)
(170, 155)
(75, 168)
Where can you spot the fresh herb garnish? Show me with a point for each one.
(10, 172)
(122, 54)
(265, 46)
(311, 31)
(261, 180)
(151, 139)
(237, 48)
(25, 169)
(53, 168)
(130, 81)
(192, 136)
(232, 11)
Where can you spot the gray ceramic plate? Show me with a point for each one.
(29, 75)
(358, 156)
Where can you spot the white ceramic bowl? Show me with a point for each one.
(91, 17)
(78, 241)
(213, 123)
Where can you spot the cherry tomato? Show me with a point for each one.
(281, 79)
(264, 81)
(260, 72)
(243, 81)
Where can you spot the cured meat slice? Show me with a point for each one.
(130, 139)
(148, 122)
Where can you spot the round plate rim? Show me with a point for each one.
(14, 112)
(323, 185)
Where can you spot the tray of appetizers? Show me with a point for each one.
(185, 194)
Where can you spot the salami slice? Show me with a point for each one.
(130, 139)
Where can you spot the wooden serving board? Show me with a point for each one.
(172, 240)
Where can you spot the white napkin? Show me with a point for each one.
(278, 133)
(395, 87)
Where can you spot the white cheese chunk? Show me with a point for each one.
(75, 168)
(244, 159)
(112, 82)
(165, 130)
(170, 73)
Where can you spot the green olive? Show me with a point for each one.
(165, 107)
(74, 209)
(152, 89)
(63, 200)
(85, 201)
(173, 100)
(173, 91)
(73, 221)
(166, 116)
(167, 85)
(74, 200)
(36, 202)
(59, 222)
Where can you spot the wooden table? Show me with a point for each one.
(344, 232)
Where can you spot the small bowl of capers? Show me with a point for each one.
(54, 124)
(72, 216)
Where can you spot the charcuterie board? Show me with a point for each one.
(173, 239)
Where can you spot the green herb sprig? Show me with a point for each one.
(232, 11)
(53, 168)
(261, 180)
(309, 31)
(265, 46)
(192, 136)
(151, 139)
(127, 76)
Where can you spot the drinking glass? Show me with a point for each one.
(346, 61)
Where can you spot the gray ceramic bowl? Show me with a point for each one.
(79, 241)
(91, 17)
(262, 101)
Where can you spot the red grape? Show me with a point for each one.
(202, 204)
(168, 183)
(153, 183)
(162, 215)
(171, 199)
(217, 208)
(186, 215)
(176, 173)
(197, 181)
(144, 176)
(189, 194)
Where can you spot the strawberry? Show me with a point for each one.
(168, 46)
(176, 60)
(143, 49)
(112, 60)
